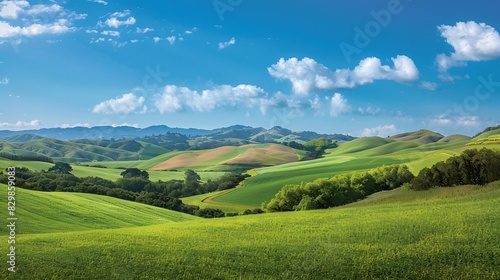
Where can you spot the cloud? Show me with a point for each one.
(144, 30)
(65, 125)
(125, 124)
(339, 105)
(469, 121)
(98, 40)
(59, 27)
(126, 104)
(99, 1)
(307, 75)
(170, 100)
(156, 39)
(20, 124)
(428, 85)
(455, 121)
(115, 22)
(44, 9)
(133, 41)
(369, 111)
(381, 131)
(12, 9)
(56, 19)
(171, 39)
(471, 41)
(121, 14)
(4, 81)
(174, 98)
(111, 33)
(223, 45)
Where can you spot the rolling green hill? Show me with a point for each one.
(50, 212)
(447, 233)
(414, 149)
(81, 150)
(422, 136)
(454, 138)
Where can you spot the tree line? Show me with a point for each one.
(472, 167)
(339, 190)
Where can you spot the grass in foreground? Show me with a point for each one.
(441, 234)
(48, 212)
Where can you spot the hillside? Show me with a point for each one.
(80, 150)
(359, 154)
(422, 136)
(389, 237)
(227, 158)
(454, 138)
(49, 212)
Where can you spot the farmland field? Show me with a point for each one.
(446, 233)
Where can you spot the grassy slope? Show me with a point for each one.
(106, 173)
(49, 212)
(270, 180)
(487, 134)
(359, 154)
(450, 233)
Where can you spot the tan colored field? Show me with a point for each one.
(272, 155)
(192, 158)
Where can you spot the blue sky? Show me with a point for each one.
(357, 67)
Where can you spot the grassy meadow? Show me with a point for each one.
(446, 233)
(51, 212)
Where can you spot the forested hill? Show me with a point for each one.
(235, 133)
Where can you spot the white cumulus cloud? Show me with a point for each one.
(339, 105)
(12, 9)
(115, 22)
(144, 30)
(59, 27)
(381, 131)
(306, 75)
(428, 85)
(20, 124)
(111, 33)
(4, 81)
(174, 98)
(99, 1)
(223, 45)
(445, 120)
(471, 41)
(126, 104)
(171, 39)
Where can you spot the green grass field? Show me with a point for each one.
(360, 154)
(447, 233)
(50, 212)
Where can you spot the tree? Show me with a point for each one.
(61, 168)
(209, 213)
(191, 176)
(135, 173)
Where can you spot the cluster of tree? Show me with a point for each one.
(486, 130)
(32, 157)
(340, 189)
(475, 167)
(169, 141)
(134, 186)
(315, 148)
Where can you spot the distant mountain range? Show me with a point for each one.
(103, 132)
(126, 132)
